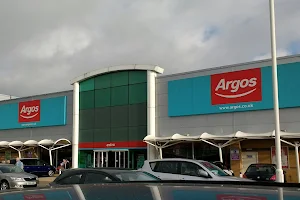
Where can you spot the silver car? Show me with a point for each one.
(186, 169)
(12, 176)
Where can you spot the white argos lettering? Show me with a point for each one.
(235, 85)
(29, 110)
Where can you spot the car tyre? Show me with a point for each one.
(50, 173)
(4, 185)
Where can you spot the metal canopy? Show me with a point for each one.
(221, 141)
(47, 144)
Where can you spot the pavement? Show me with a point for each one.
(44, 181)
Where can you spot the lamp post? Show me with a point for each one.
(279, 171)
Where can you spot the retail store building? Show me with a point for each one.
(37, 127)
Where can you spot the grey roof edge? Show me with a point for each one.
(97, 72)
(229, 66)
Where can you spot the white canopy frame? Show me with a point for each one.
(20, 146)
(218, 141)
(50, 146)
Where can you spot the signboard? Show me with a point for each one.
(235, 154)
(284, 156)
(34, 113)
(235, 91)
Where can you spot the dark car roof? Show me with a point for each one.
(168, 190)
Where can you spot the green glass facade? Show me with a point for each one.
(112, 108)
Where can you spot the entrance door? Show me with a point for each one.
(118, 159)
(248, 158)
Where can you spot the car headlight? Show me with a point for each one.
(17, 179)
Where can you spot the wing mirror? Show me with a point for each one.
(203, 173)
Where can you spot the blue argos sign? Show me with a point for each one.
(35, 113)
(243, 90)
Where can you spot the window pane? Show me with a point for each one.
(189, 169)
(102, 97)
(167, 167)
(119, 78)
(137, 133)
(138, 93)
(86, 100)
(86, 119)
(87, 85)
(96, 178)
(102, 117)
(102, 135)
(138, 114)
(119, 134)
(139, 76)
(73, 179)
(103, 81)
(119, 96)
(86, 135)
(119, 116)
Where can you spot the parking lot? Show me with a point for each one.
(44, 181)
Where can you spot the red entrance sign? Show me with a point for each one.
(29, 111)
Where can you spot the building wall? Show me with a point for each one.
(40, 133)
(113, 110)
(225, 123)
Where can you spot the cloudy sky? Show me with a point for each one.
(44, 44)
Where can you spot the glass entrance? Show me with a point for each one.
(118, 159)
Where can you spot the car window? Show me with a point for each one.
(72, 179)
(268, 169)
(171, 167)
(41, 162)
(135, 176)
(213, 168)
(189, 169)
(29, 162)
(96, 178)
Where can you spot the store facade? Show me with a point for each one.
(113, 111)
(37, 127)
(226, 102)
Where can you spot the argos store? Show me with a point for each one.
(37, 127)
(226, 114)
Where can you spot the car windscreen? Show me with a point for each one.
(213, 168)
(135, 176)
(266, 169)
(11, 169)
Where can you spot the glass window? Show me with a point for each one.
(102, 98)
(266, 169)
(119, 134)
(189, 169)
(101, 135)
(119, 116)
(138, 114)
(87, 85)
(86, 135)
(119, 78)
(102, 118)
(29, 162)
(139, 76)
(138, 93)
(171, 167)
(70, 180)
(86, 119)
(87, 100)
(213, 168)
(41, 162)
(103, 81)
(137, 133)
(96, 178)
(119, 96)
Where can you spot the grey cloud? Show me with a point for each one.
(169, 33)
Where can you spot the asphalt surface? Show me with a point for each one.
(44, 181)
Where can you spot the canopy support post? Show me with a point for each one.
(193, 150)
(220, 153)
(50, 157)
(297, 160)
(18, 150)
(160, 152)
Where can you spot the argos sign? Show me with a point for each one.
(29, 111)
(34, 113)
(235, 87)
(234, 91)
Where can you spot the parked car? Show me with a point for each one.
(99, 175)
(262, 172)
(36, 166)
(12, 176)
(186, 169)
(223, 167)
